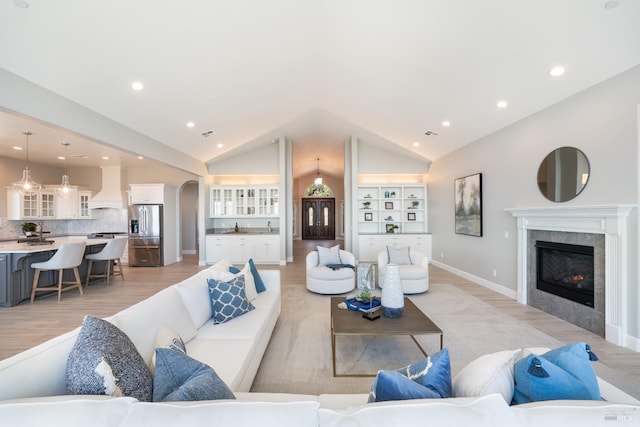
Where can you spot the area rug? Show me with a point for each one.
(298, 358)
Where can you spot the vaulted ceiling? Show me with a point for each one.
(315, 71)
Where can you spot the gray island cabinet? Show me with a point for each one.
(16, 274)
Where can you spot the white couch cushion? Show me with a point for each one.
(228, 357)
(325, 273)
(142, 320)
(66, 411)
(223, 413)
(489, 411)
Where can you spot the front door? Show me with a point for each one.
(318, 218)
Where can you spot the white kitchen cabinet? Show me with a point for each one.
(217, 248)
(83, 204)
(148, 193)
(369, 246)
(67, 207)
(247, 201)
(238, 249)
(266, 249)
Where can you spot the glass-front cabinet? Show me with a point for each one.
(242, 201)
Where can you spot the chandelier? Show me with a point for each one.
(318, 180)
(26, 184)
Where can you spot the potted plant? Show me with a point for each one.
(364, 295)
(393, 194)
(414, 204)
(29, 228)
(366, 204)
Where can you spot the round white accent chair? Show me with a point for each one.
(68, 256)
(324, 280)
(112, 251)
(414, 273)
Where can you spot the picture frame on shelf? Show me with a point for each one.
(368, 216)
(388, 205)
(468, 205)
(411, 216)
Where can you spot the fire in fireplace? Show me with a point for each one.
(566, 271)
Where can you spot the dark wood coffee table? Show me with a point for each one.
(348, 322)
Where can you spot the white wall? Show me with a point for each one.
(601, 121)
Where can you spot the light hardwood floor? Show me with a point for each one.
(26, 324)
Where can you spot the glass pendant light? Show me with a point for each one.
(64, 190)
(26, 184)
(318, 180)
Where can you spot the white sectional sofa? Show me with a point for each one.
(32, 383)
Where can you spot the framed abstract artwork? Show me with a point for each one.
(468, 205)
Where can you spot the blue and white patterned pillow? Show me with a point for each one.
(429, 378)
(228, 299)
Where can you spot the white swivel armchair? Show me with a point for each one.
(414, 270)
(111, 252)
(68, 256)
(325, 280)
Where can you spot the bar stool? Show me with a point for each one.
(112, 251)
(68, 256)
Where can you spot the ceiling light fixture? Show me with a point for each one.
(611, 4)
(501, 104)
(430, 132)
(26, 184)
(416, 144)
(446, 123)
(190, 124)
(64, 190)
(557, 71)
(137, 86)
(220, 145)
(318, 180)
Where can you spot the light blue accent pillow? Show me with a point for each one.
(565, 373)
(260, 287)
(429, 378)
(228, 299)
(178, 377)
(103, 360)
(400, 256)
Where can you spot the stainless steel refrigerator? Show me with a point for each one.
(145, 236)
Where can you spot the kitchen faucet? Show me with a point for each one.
(269, 226)
(40, 227)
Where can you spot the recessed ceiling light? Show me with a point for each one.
(446, 123)
(60, 157)
(502, 104)
(140, 158)
(220, 145)
(22, 4)
(416, 144)
(105, 157)
(137, 86)
(17, 148)
(190, 124)
(611, 4)
(557, 71)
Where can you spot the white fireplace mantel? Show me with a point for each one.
(610, 220)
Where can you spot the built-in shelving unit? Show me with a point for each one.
(395, 208)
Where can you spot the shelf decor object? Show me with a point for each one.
(392, 299)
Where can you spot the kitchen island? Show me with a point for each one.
(16, 274)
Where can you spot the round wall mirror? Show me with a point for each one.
(563, 174)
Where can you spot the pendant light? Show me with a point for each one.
(26, 184)
(64, 190)
(318, 180)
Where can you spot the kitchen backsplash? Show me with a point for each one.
(103, 220)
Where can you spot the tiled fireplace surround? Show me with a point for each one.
(579, 225)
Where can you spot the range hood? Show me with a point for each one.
(111, 196)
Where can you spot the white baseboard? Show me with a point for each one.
(633, 343)
(479, 280)
(189, 252)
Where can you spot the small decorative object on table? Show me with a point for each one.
(392, 296)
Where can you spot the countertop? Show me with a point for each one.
(246, 232)
(10, 247)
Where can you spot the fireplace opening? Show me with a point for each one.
(566, 271)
